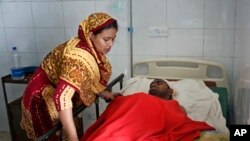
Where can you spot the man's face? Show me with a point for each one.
(160, 88)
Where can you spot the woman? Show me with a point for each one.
(71, 74)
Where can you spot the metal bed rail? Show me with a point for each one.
(78, 110)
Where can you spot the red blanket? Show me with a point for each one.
(142, 117)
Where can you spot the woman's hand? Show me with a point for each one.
(107, 95)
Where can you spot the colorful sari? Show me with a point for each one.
(70, 75)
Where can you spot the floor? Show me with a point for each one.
(4, 136)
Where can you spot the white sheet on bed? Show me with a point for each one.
(199, 101)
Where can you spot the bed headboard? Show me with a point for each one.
(182, 68)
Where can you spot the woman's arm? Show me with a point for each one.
(107, 95)
(66, 117)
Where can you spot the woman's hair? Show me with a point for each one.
(114, 25)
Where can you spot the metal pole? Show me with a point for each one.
(131, 39)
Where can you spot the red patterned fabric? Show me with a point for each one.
(142, 117)
(35, 103)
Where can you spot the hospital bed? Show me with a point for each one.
(201, 86)
(178, 72)
(212, 73)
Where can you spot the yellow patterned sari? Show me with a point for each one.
(71, 74)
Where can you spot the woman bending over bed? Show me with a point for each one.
(142, 116)
(72, 74)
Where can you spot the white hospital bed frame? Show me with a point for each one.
(181, 68)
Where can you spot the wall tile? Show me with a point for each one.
(185, 42)
(3, 43)
(76, 11)
(220, 13)
(29, 59)
(15, 0)
(185, 14)
(45, 0)
(48, 14)
(242, 43)
(120, 64)
(17, 14)
(118, 9)
(219, 42)
(1, 17)
(145, 45)
(41, 56)
(236, 69)
(242, 33)
(4, 64)
(71, 32)
(48, 38)
(22, 38)
(152, 13)
(240, 40)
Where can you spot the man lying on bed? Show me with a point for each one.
(145, 117)
(161, 89)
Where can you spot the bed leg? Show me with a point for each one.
(97, 107)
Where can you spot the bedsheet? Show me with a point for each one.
(201, 103)
(144, 117)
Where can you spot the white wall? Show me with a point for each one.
(197, 29)
(36, 26)
(242, 62)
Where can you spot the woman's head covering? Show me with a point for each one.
(81, 65)
(92, 23)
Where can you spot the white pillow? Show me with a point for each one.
(136, 84)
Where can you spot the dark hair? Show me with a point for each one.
(112, 25)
